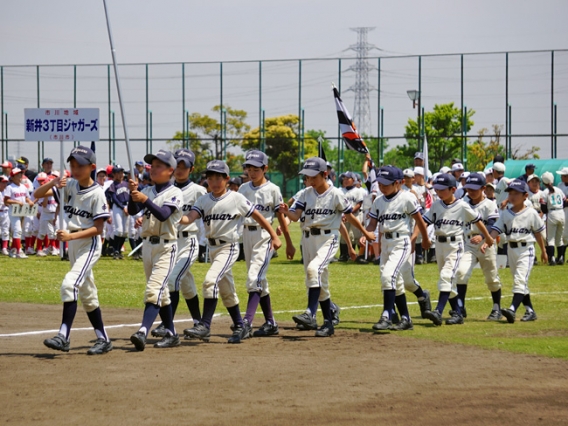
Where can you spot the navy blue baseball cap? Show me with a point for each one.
(185, 155)
(530, 166)
(313, 166)
(117, 168)
(350, 175)
(444, 181)
(518, 185)
(387, 175)
(256, 158)
(218, 166)
(419, 155)
(139, 163)
(47, 160)
(164, 156)
(475, 181)
(82, 155)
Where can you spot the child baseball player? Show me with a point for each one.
(16, 194)
(181, 278)
(395, 211)
(322, 207)
(162, 206)
(223, 212)
(449, 216)
(47, 218)
(118, 195)
(553, 206)
(352, 193)
(84, 204)
(4, 218)
(523, 226)
(266, 198)
(475, 251)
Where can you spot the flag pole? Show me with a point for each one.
(117, 78)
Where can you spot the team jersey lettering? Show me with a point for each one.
(391, 216)
(322, 212)
(441, 222)
(208, 218)
(72, 211)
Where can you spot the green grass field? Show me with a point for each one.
(355, 288)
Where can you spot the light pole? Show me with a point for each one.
(414, 96)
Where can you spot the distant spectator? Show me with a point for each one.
(529, 170)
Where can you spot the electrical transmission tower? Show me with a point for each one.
(362, 108)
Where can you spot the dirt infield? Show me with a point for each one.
(352, 378)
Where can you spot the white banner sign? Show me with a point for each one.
(25, 210)
(61, 124)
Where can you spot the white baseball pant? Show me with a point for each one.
(119, 222)
(448, 257)
(257, 247)
(219, 278)
(181, 278)
(554, 227)
(47, 225)
(4, 226)
(318, 252)
(488, 262)
(159, 260)
(521, 261)
(394, 254)
(79, 282)
(16, 226)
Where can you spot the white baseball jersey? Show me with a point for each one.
(322, 210)
(521, 226)
(16, 192)
(500, 193)
(554, 200)
(450, 220)
(564, 188)
(420, 191)
(353, 195)
(223, 217)
(3, 207)
(81, 206)
(395, 214)
(535, 198)
(168, 229)
(190, 193)
(266, 199)
(487, 210)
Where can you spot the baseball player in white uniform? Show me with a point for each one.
(85, 211)
(396, 212)
(523, 226)
(322, 207)
(354, 195)
(4, 218)
(449, 216)
(563, 186)
(473, 254)
(161, 204)
(223, 212)
(266, 197)
(16, 194)
(47, 220)
(118, 194)
(553, 206)
(181, 278)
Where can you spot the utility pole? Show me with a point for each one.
(362, 108)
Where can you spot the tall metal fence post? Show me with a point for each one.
(4, 148)
(109, 118)
(74, 93)
(552, 147)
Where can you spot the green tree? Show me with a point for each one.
(442, 127)
(282, 144)
(209, 129)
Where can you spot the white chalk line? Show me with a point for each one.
(343, 308)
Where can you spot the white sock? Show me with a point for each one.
(495, 307)
(143, 330)
(63, 330)
(386, 314)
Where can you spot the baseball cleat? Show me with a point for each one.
(301, 327)
(495, 315)
(5, 252)
(59, 343)
(335, 311)
(455, 319)
(100, 347)
(248, 329)
(395, 318)
(560, 261)
(326, 330)
(434, 316)
(21, 255)
(139, 340)
(306, 320)
(41, 253)
(169, 341)
(426, 304)
(160, 331)
(383, 324)
(266, 329)
(404, 324)
(464, 312)
(529, 316)
(198, 331)
(509, 314)
(239, 335)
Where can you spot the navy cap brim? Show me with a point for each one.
(309, 172)
(385, 181)
(441, 187)
(522, 191)
(473, 186)
(253, 163)
(188, 163)
(80, 159)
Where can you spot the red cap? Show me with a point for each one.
(15, 172)
(109, 169)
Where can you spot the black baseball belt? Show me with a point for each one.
(443, 239)
(316, 231)
(215, 242)
(155, 240)
(393, 235)
(183, 234)
(516, 244)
